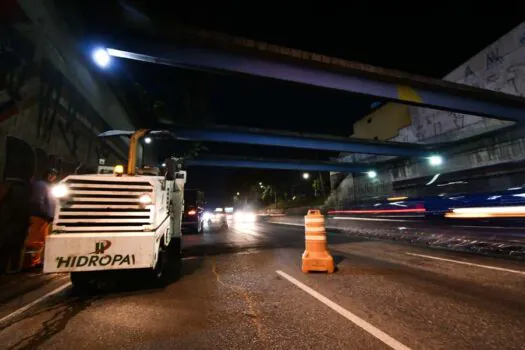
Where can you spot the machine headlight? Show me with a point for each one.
(118, 170)
(145, 199)
(59, 191)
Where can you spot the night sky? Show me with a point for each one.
(428, 45)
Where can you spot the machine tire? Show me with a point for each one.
(168, 265)
(158, 274)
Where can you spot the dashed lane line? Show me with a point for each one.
(468, 263)
(374, 331)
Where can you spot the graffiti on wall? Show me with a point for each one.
(500, 67)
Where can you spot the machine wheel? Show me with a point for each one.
(158, 270)
(157, 275)
(168, 265)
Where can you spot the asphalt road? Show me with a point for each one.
(243, 289)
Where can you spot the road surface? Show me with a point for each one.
(243, 289)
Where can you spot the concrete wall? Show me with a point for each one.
(498, 67)
(41, 107)
(502, 147)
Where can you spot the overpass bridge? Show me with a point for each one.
(201, 50)
(204, 50)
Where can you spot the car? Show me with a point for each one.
(216, 219)
(193, 220)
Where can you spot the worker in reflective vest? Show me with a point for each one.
(42, 213)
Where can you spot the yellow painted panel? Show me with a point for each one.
(384, 123)
(406, 93)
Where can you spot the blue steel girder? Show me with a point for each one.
(282, 164)
(262, 137)
(300, 140)
(229, 54)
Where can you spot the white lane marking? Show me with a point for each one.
(287, 223)
(491, 227)
(368, 219)
(35, 302)
(468, 263)
(248, 252)
(376, 332)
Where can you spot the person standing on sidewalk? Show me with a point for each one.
(42, 213)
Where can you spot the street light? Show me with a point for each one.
(371, 174)
(147, 140)
(101, 57)
(306, 176)
(238, 194)
(435, 160)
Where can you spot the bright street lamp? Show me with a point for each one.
(147, 140)
(238, 194)
(371, 174)
(306, 176)
(101, 57)
(435, 160)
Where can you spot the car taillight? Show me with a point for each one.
(192, 212)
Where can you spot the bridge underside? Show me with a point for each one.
(227, 54)
(300, 140)
(282, 164)
(286, 139)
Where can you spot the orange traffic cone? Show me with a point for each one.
(315, 256)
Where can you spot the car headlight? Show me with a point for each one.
(59, 191)
(250, 217)
(245, 216)
(145, 199)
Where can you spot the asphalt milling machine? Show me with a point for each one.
(117, 222)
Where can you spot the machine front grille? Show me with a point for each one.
(104, 205)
